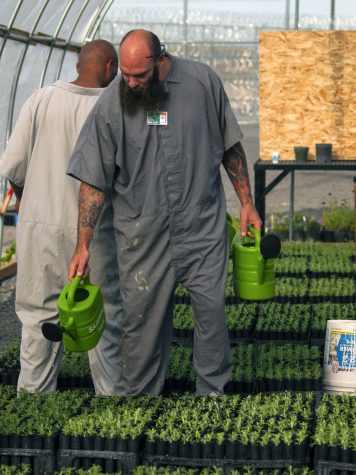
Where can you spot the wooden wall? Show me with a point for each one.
(307, 92)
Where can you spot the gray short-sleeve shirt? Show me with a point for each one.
(163, 175)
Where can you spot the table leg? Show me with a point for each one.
(291, 205)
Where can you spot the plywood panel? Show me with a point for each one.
(307, 92)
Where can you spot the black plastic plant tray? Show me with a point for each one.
(9, 379)
(74, 382)
(325, 467)
(315, 299)
(42, 461)
(266, 385)
(227, 451)
(110, 461)
(164, 460)
(269, 336)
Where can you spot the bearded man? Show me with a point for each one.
(155, 141)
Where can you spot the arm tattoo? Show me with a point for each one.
(91, 201)
(235, 165)
(90, 204)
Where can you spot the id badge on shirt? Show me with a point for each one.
(157, 118)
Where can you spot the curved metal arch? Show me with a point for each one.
(17, 77)
(11, 22)
(71, 33)
(54, 37)
(97, 20)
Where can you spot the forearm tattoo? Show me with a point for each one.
(235, 165)
(90, 204)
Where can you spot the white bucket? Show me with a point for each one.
(340, 357)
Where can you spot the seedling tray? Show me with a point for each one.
(42, 461)
(323, 467)
(111, 461)
(164, 460)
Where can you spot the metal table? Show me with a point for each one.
(286, 167)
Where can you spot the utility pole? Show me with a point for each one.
(287, 14)
(185, 26)
(296, 15)
(332, 15)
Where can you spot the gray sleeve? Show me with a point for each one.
(93, 158)
(229, 126)
(14, 161)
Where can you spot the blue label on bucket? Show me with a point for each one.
(346, 352)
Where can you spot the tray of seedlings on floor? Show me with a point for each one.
(280, 367)
(287, 321)
(243, 372)
(179, 470)
(291, 266)
(291, 289)
(10, 364)
(232, 430)
(332, 289)
(334, 435)
(323, 312)
(29, 426)
(181, 374)
(240, 319)
(327, 266)
(107, 432)
(74, 371)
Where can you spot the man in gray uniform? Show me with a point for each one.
(156, 139)
(35, 161)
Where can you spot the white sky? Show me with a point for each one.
(343, 8)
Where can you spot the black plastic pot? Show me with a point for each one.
(323, 152)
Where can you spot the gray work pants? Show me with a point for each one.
(147, 324)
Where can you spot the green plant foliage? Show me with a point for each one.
(183, 317)
(9, 253)
(290, 361)
(243, 365)
(232, 418)
(10, 359)
(330, 311)
(291, 287)
(37, 413)
(240, 316)
(338, 264)
(75, 364)
(339, 217)
(181, 363)
(296, 265)
(284, 318)
(336, 421)
(22, 469)
(332, 286)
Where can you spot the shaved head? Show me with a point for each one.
(97, 64)
(144, 38)
(97, 52)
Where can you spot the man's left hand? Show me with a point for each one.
(249, 215)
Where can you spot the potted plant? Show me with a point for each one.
(338, 222)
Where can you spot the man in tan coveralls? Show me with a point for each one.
(35, 161)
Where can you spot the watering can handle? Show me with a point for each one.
(73, 288)
(256, 235)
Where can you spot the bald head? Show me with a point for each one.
(135, 39)
(97, 64)
(97, 52)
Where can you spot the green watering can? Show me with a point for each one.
(253, 266)
(231, 231)
(81, 316)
